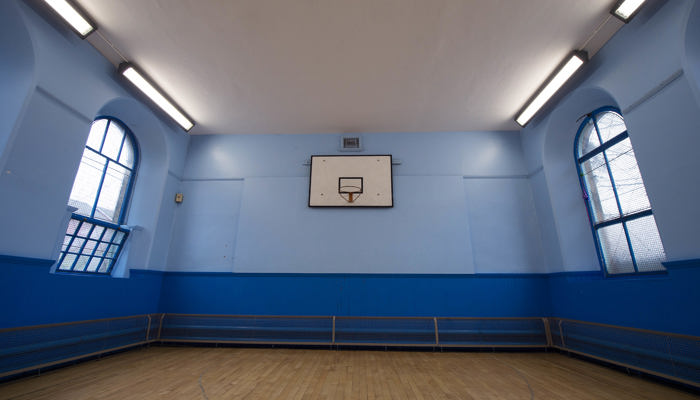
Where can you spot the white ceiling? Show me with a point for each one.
(329, 66)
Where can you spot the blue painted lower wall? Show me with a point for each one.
(31, 295)
(666, 302)
(356, 294)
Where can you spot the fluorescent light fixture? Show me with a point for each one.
(154, 94)
(626, 9)
(74, 18)
(562, 74)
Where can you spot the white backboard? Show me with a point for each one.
(351, 181)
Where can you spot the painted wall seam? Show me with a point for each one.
(653, 92)
(174, 175)
(495, 176)
(46, 93)
(232, 179)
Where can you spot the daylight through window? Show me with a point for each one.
(626, 235)
(100, 193)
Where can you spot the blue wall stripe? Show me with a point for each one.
(578, 274)
(661, 302)
(361, 275)
(355, 295)
(26, 261)
(34, 296)
(694, 263)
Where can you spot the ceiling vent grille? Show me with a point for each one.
(350, 143)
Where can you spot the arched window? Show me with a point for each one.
(101, 193)
(625, 231)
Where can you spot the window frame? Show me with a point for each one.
(89, 237)
(91, 219)
(133, 170)
(622, 219)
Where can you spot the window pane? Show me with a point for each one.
(72, 225)
(66, 242)
(600, 191)
(109, 233)
(610, 125)
(127, 156)
(104, 268)
(118, 237)
(86, 183)
(96, 232)
(112, 193)
(94, 264)
(628, 180)
(97, 132)
(588, 140)
(615, 249)
(67, 262)
(646, 244)
(81, 264)
(101, 249)
(84, 229)
(89, 247)
(113, 141)
(76, 245)
(112, 251)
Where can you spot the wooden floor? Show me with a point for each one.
(237, 373)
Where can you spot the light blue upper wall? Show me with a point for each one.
(457, 154)
(691, 62)
(459, 200)
(17, 67)
(644, 71)
(644, 53)
(165, 226)
(43, 139)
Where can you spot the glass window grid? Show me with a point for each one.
(623, 219)
(130, 169)
(75, 245)
(103, 260)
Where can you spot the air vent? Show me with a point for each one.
(350, 143)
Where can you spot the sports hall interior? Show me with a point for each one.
(490, 261)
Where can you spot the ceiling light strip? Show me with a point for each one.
(77, 20)
(552, 85)
(138, 79)
(626, 9)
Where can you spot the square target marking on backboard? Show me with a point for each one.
(351, 181)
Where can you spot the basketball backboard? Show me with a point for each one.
(351, 181)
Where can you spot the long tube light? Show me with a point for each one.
(626, 9)
(135, 77)
(556, 80)
(72, 16)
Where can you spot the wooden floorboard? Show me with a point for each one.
(240, 373)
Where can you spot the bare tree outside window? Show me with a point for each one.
(627, 238)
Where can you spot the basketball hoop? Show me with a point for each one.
(350, 188)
